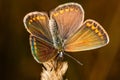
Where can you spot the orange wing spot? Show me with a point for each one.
(42, 17)
(35, 49)
(66, 9)
(34, 19)
(96, 31)
(37, 17)
(35, 43)
(93, 27)
(99, 34)
(71, 9)
(88, 24)
(61, 11)
(31, 20)
(56, 14)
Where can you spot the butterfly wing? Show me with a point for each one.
(37, 24)
(67, 18)
(42, 51)
(91, 35)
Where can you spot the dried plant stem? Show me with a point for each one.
(54, 70)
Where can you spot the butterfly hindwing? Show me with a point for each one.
(91, 35)
(37, 24)
(42, 51)
(68, 18)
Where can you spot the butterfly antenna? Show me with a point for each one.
(73, 59)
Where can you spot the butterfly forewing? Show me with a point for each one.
(91, 35)
(42, 51)
(68, 18)
(37, 24)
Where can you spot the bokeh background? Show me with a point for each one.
(16, 61)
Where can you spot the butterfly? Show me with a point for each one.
(64, 30)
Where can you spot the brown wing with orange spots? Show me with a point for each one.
(68, 18)
(37, 24)
(41, 50)
(90, 36)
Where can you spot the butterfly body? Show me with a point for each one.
(64, 31)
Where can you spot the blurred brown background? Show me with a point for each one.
(16, 61)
